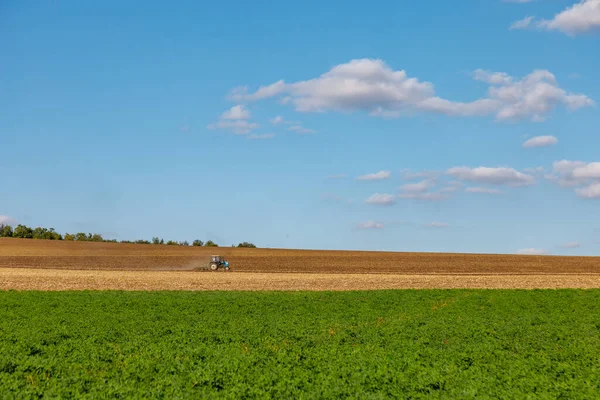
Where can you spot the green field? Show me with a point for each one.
(378, 344)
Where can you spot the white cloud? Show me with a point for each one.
(6, 220)
(567, 173)
(571, 245)
(482, 190)
(589, 171)
(239, 127)
(522, 23)
(532, 251)
(276, 120)
(370, 85)
(370, 225)
(262, 136)
(580, 18)
(535, 171)
(407, 174)
(540, 141)
(589, 192)
(236, 113)
(419, 187)
(377, 176)
(494, 176)
(382, 199)
(300, 129)
(437, 224)
(235, 120)
(431, 196)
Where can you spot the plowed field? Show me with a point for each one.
(52, 265)
(22, 253)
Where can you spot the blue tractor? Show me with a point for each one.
(217, 262)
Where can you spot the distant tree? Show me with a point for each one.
(155, 240)
(110, 240)
(6, 230)
(142, 242)
(22, 231)
(197, 243)
(81, 237)
(184, 243)
(246, 244)
(162, 241)
(172, 243)
(69, 236)
(210, 243)
(126, 241)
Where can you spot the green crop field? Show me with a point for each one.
(378, 344)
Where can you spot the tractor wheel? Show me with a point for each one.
(213, 267)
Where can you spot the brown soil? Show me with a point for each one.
(23, 253)
(49, 265)
(47, 279)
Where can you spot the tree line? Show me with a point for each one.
(25, 232)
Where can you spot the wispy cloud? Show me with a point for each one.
(383, 199)
(377, 176)
(300, 129)
(235, 120)
(540, 141)
(262, 136)
(6, 220)
(491, 175)
(370, 225)
(532, 251)
(582, 17)
(482, 190)
(437, 224)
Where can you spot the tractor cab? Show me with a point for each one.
(217, 261)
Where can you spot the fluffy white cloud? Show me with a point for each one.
(236, 112)
(482, 190)
(540, 141)
(6, 220)
(569, 173)
(370, 225)
(437, 224)
(589, 192)
(377, 176)
(262, 136)
(494, 176)
(235, 120)
(579, 18)
(382, 199)
(372, 86)
(588, 171)
(532, 251)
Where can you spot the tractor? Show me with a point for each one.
(217, 262)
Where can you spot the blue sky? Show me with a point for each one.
(340, 125)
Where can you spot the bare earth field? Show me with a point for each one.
(61, 265)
